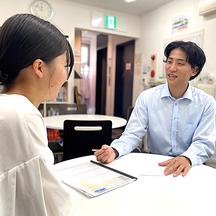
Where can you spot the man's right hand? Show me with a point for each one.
(106, 154)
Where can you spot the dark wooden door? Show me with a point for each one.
(101, 81)
(124, 78)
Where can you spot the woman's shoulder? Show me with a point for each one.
(17, 103)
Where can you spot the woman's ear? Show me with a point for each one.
(195, 71)
(37, 66)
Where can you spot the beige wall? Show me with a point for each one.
(156, 28)
(68, 16)
(152, 29)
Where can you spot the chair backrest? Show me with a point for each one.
(54, 136)
(80, 137)
(129, 111)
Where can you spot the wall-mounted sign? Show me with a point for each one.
(128, 66)
(103, 21)
(180, 23)
(110, 22)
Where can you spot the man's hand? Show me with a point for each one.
(106, 154)
(177, 166)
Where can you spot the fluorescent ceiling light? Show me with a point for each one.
(129, 1)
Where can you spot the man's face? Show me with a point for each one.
(178, 70)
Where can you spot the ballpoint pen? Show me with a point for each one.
(94, 150)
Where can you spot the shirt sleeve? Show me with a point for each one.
(203, 142)
(37, 138)
(135, 129)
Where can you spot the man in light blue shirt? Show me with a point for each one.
(179, 120)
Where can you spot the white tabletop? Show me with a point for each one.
(153, 194)
(57, 122)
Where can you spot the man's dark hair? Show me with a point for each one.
(25, 38)
(195, 55)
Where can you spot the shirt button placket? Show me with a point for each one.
(174, 125)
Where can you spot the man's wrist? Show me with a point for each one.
(188, 159)
(116, 152)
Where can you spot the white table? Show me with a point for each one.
(153, 194)
(57, 122)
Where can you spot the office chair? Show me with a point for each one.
(80, 137)
(55, 136)
(129, 111)
(117, 132)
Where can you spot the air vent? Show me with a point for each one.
(207, 7)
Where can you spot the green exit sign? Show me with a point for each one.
(110, 22)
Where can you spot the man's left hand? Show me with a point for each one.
(179, 165)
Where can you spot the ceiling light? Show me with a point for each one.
(129, 1)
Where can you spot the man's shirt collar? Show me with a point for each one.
(166, 93)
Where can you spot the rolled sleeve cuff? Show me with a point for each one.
(121, 147)
(195, 160)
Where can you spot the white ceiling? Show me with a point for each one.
(139, 7)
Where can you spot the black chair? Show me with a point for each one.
(63, 109)
(129, 111)
(116, 133)
(80, 137)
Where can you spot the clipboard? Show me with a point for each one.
(94, 179)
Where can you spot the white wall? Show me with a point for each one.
(156, 28)
(69, 15)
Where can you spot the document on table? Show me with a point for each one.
(93, 178)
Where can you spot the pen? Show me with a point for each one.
(94, 150)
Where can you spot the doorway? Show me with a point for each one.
(98, 78)
(124, 78)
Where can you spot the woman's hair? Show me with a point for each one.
(195, 55)
(25, 38)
